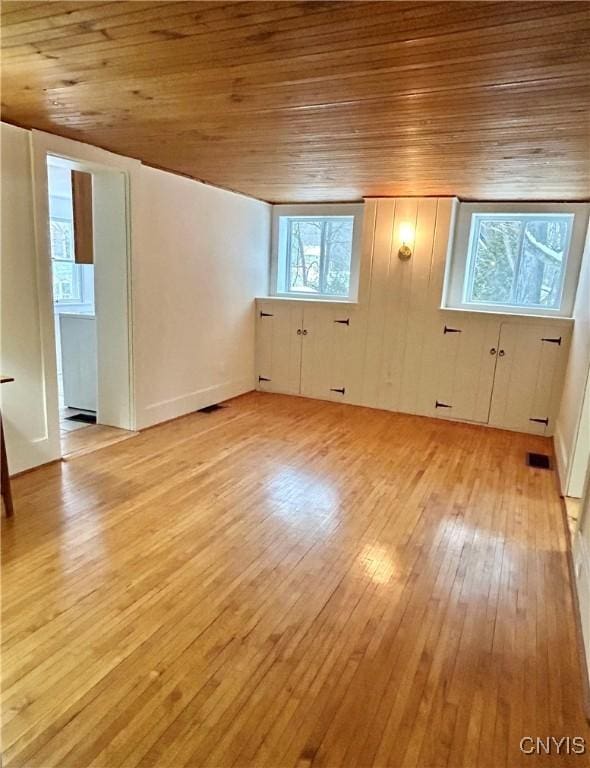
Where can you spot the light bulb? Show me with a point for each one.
(406, 234)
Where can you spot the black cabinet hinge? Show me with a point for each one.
(441, 405)
(263, 378)
(541, 421)
(340, 391)
(343, 322)
(553, 341)
(451, 330)
(266, 314)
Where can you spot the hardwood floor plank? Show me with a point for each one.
(289, 582)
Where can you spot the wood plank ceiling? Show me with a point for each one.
(303, 101)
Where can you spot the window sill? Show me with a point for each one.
(306, 300)
(510, 315)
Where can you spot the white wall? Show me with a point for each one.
(31, 434)
(201, 258)
(572, 436)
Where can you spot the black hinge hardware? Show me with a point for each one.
(262, 378)
(451, 330)
(343, 322)
(266, 314)
(341, 391)
(541, 421)
(442, 405)
(553, 341)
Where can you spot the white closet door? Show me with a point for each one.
(460, 386)
(329, 364)
(278, 346)
(529, 377)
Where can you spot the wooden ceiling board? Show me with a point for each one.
(305, 101)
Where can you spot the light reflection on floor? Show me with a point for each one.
(377, 563)
(299, 498)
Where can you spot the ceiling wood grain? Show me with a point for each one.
(304, 101)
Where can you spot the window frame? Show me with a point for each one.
(281, 216)
(458, 262)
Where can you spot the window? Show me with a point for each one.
(318, 255)
(315, 253)
(67, 278)
(516, 258)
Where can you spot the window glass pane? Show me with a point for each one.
(67, 279)
(540, 276)
(337, 257)
(319, 255)
(305, 252)
(518, 260)
(66, 283)
(62, 239)
(493, 258)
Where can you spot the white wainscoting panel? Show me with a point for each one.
(395, 354)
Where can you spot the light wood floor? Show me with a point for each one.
(287, 582)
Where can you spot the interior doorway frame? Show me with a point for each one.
(98, 162)
(579, 462)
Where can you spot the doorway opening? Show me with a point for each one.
(73, 309)
(88, 251)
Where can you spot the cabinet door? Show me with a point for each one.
(330, 368)
(529, 377)
(464, 360)
(278, 346)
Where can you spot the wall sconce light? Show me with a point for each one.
(406, 234)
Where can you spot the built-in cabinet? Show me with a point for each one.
(307, 350)
(478, 368)
(506, 374)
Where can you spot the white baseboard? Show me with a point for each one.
(581, 555)
(165, 410)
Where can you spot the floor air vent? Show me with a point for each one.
(538, 460)
(210, 408)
